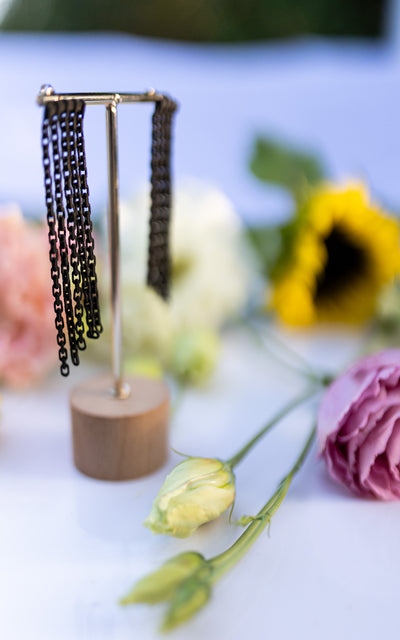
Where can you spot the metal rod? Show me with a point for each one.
(47, 95)
(119, 390)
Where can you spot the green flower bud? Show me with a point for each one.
(162, 584)
(190, 597)
(145, 366)
(194, 355)
(196, 491)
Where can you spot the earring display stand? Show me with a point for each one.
(119, 438)
(119, 425)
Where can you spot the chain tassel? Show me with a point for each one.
(158, 271)
(72, 259)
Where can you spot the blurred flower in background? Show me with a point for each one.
(343, 249)
(211, 274)
(358, 427)
(385, 328)
(27, 335)
(194, 355)
(332, 259)
(210, 284)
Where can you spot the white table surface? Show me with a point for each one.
(70, 545)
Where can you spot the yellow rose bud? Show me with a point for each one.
(162, 584)
(196, 491)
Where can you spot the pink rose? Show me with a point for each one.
(359, 427)
(28, 348)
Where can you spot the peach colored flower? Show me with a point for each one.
(27, 335)
(359, 427)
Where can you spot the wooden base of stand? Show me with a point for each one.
(116, 439)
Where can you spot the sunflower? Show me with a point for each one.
(342, 250)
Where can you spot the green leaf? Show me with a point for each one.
(273, 246)
(266, 243)
(285, 166)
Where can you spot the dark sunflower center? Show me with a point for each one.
(346, 261)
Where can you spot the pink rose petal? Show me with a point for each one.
(376, 442)
(359, 427)
(27, 335)
(393, 451)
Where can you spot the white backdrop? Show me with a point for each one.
(338, 98)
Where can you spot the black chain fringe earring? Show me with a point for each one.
(72, 259)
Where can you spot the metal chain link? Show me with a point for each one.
(53, 253)
(72, 244)
(95, 326)
(80, 227)
(67, 147)
(158, 269)
(73, 263)
(61, 231)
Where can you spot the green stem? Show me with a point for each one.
(238, 457)
(303, 367)
(179, 396)
(224, 561)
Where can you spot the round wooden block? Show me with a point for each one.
(116, 439)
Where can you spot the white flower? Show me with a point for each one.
(194, 355)
(210, 274)
(146, 322)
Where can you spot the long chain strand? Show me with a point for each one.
(95, 326)
(80, 225)
(72, 259)
(158, 270)
(67, 146)
(53, 253)
(61, 230)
